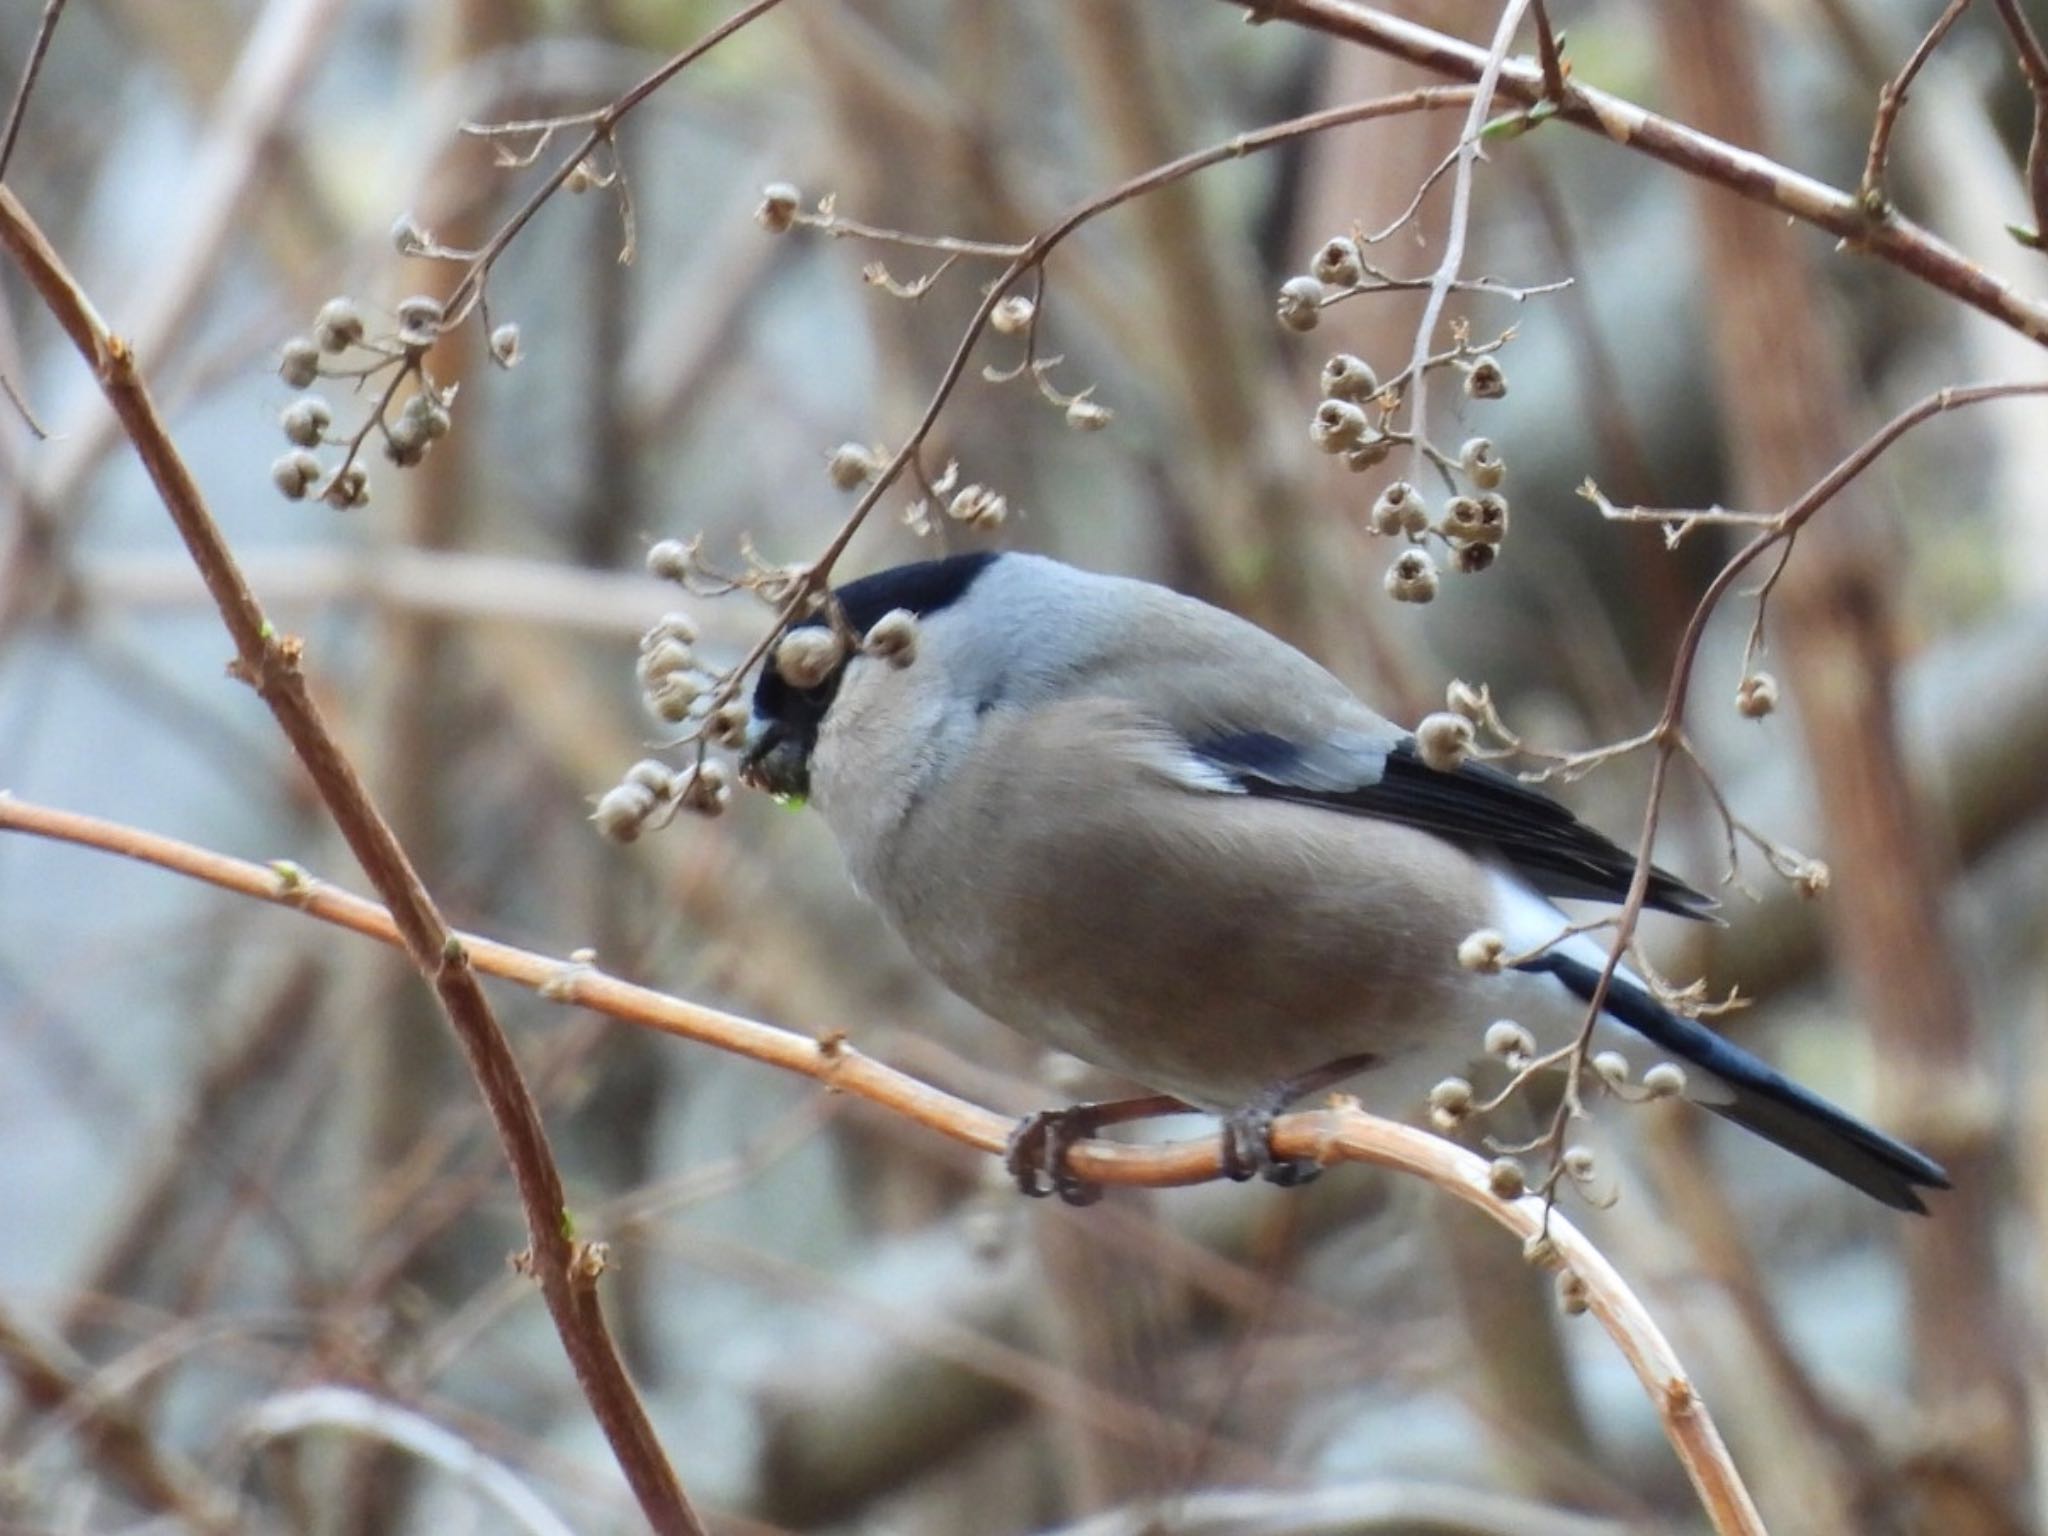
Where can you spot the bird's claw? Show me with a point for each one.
(1036, 1156)
(1248, 1150)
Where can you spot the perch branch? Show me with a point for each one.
(1341, 1133)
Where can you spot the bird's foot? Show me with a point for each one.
(1248, 1129)
(1036, 1156)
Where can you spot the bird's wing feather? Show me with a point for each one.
(1474, 805)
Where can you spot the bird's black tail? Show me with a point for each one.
(1760, 1098)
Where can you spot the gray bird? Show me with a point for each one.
(1144, 831)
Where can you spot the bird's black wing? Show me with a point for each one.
(1473, 805)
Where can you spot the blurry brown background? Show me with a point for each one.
(240, 1155)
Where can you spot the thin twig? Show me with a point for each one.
(604, 123)
(1896, 241)
(1891, 97)
(270, 662)
(1341, 1133)
(1454, 235)
(18, 112)
(2034, 65)
(1667, 735)
(1552, 58)
(1030, 256)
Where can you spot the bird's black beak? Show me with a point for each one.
(774, 760)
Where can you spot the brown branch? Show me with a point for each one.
(112, 1436)
(603, 125)
(1894, 240)
(1891, 97)
(1551, 57)
(1340, 1133)
(18, 112)
(270, 663)
(2034, 65)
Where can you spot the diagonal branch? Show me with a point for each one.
(2033, 59)
(1891, 97)
(270, 663)
(33, 66)
(1897, 241)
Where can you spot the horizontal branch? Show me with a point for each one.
(1882, 233)
(1340, 1133)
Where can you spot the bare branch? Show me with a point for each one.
(1340, 1133)
(269, 662)
(1890, 98)
(18, 112)
(2034, 65)
(1894, 240)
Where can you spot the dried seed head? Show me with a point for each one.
(1371, 452)
(581, 178)
(978, 507)
(407, 238)
(1573, 1298)
(1349, 378)
(1412, 578)
(806, 657)
(1756, 696)
(1338, 263)
(1464, 699)
(295, 474)
(728, 724)
(1338, 426)
(1482, 463)
(1300, 305)
(653, 775)
(670, 626)
(670, 696)
(622, 813)
(1509, 1041)
(1505, 1178)
(1012, 314)
(669, 559)
(704, 789)
(1485, 380)
(1396, 508)
(1579, 1164)
(349, 488)
(850, 467)
(1461, 519)
(1666, 1080)
(1452, 1097)
(419, 320)
(663, 659)
(779, 203)
(1484, 951)
(298, 363)
(305, 420)
(1443, 741)
(1612, 1067)
(1084, 415)
(338, 326)
(505, 350)
(893, 637)
(1812, 879)
(1476, 519)
(428, 416)
(1471, 559)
